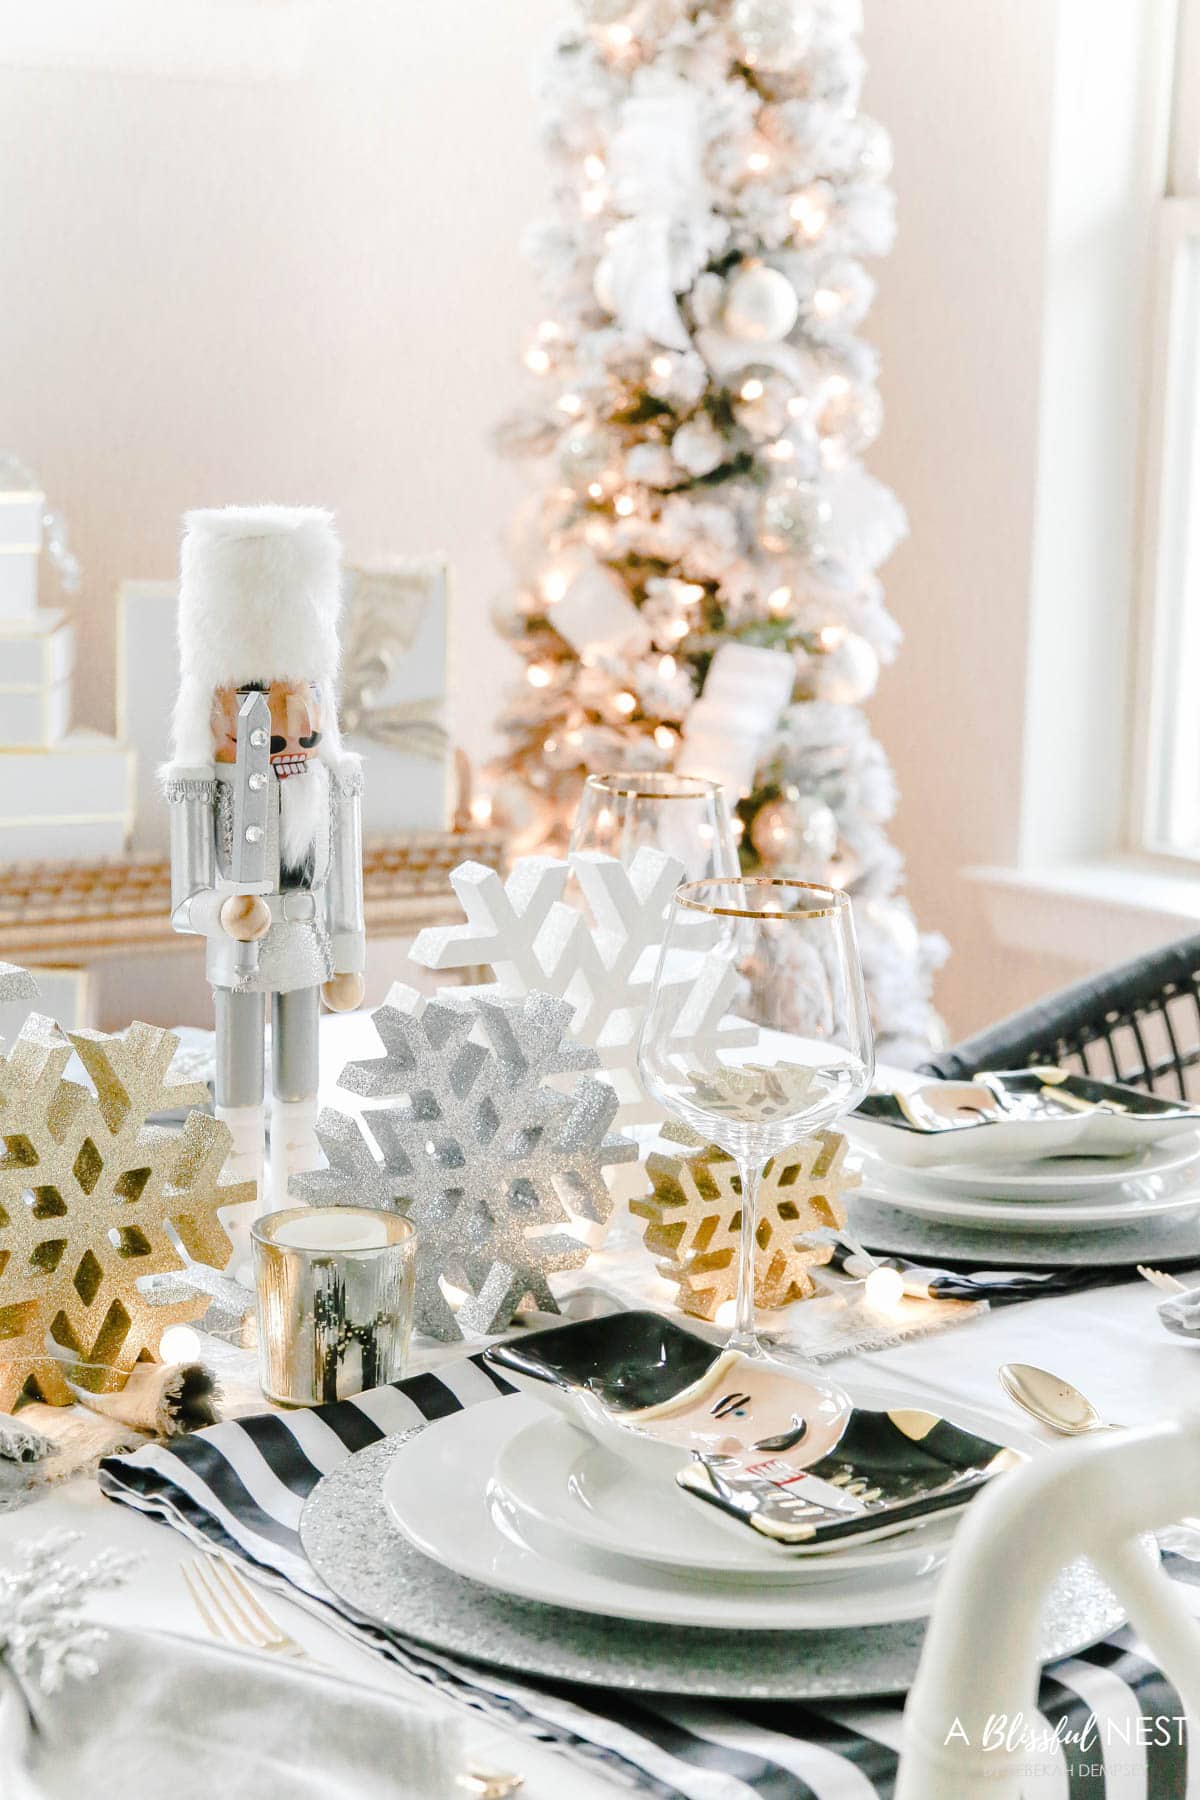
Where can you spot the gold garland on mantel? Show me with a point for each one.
(72, 911)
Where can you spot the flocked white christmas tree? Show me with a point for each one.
(698, 574)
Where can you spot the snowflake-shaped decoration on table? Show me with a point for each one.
(490, 1163)
(87, 1192)
(16, 983)
(598, 953)
(694, 1218)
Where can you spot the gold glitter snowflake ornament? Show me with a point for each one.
(16, 984)
(694, 1217)
(88, 1191)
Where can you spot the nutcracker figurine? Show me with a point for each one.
(266, 842)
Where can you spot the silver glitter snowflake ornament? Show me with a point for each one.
(490, 1163)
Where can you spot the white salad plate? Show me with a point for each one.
(441, 1494)
(1133, 1201)
(558, 1477)
(1049, 1178)
(1071, 1177)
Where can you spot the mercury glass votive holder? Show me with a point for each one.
(334, 1293)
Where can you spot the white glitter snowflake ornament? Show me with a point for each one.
(489, 1163)
(598, 954)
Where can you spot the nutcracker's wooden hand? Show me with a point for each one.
(246, 917)
(342, 993)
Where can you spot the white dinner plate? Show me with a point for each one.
(557, 1476)
(1051, 1178)
(441, 1495)
(1149, 1197)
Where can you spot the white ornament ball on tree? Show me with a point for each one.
(772, 34)
(791, 519)
(760, 401)
(847, 673)
(840, 298)
(698, 447)
(850, 421)
(796, 832)
(761, 305)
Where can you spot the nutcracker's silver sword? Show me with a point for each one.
(251, 799)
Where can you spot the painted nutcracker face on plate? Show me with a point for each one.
(741, 1409)
(297, 714)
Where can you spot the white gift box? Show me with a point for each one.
(35, 719)
(20, 548)
(752, 677)
(73, 799)
(596, 616)
(21, 516)
(18, 583)
(726, 731)
(36, 660)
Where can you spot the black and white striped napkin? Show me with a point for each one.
(239, 1488)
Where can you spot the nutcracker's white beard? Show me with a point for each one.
(303, 802)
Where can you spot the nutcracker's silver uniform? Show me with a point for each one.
(316, 925)
(316, 929)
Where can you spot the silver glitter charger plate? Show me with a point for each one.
(352, 1544)
(1172, 1238)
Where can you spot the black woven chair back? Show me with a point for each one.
(1139, 1023)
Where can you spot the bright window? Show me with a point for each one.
(1168, 707)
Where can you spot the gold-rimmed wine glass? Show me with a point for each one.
(683, 815)
(748, 949)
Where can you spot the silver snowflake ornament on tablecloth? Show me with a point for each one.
(598, 952)
(469, 1142)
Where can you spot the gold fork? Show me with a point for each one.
(233, 1614)
(1159, 1278)
(231, 1611)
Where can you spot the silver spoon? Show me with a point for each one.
(1052, 1400)
(1056, 1403)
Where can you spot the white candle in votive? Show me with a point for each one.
(332, 1229)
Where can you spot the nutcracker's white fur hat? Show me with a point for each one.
(259, 597)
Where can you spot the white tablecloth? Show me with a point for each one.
(1107, 1340)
